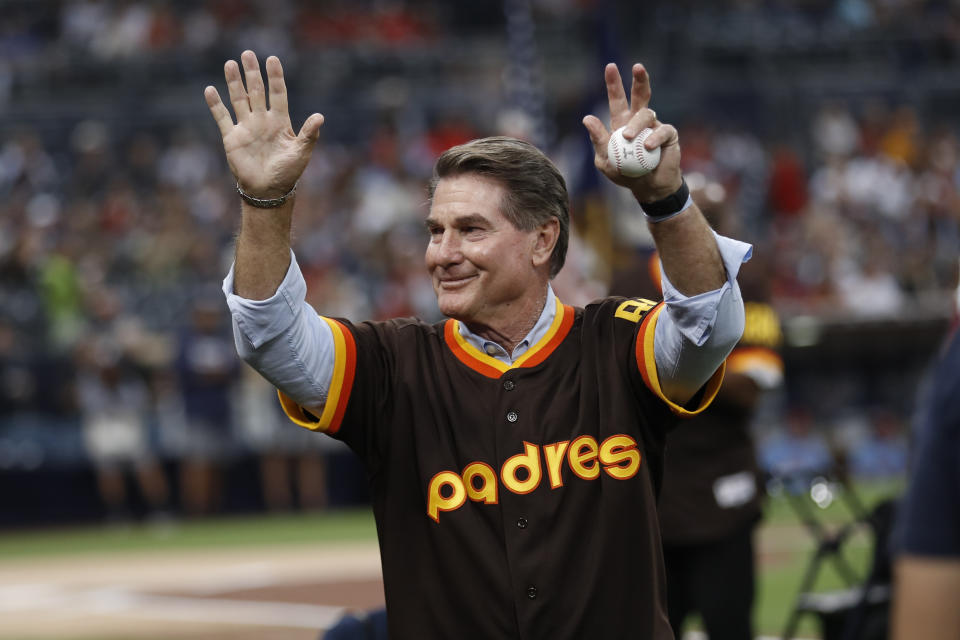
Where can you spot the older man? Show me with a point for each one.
(514, 450)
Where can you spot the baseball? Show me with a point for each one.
(630, 156)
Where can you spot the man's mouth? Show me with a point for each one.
(447, 282)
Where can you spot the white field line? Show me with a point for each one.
(223, 611)
(700, 635)
(60, 603)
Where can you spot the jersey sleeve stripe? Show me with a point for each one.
(341, 384)
(562, 321)
(644, 351)
(344, 385)
(647, 364)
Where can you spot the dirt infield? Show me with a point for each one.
(283, 593)
(286, 591)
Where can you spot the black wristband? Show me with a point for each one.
(665, 207)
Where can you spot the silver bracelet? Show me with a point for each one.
(271, 203)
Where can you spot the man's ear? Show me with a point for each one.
(546, 239)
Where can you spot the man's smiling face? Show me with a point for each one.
(481, 265)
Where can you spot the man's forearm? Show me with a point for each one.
(283, 338)
(263, 251)
(925, 600)
(695, 333)
(689, 253)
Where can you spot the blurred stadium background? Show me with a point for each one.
(828, 128)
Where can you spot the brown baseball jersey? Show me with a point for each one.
(511, 501)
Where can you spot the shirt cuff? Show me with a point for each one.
(695, 316)
(263, 320)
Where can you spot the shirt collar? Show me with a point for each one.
(539, 330)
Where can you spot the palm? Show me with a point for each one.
(635, 114)
(264, 154)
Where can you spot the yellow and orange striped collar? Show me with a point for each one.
(491, 367)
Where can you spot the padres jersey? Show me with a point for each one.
(511, 501)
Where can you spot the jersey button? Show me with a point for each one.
(509, 385)
(513, 416)
(531, 592)
(521, 523)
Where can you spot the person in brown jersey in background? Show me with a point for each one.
(710, 501)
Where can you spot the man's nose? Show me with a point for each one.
(448, 249)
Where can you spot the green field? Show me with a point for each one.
(780, 581)
(786, 547)
(333, 526)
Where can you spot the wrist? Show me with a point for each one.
(266, 203)
(659, 193)
(669, 205)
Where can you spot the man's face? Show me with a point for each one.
(481, 265)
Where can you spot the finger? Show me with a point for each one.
(599, 135)
(663, 136)
(643, 119)
(219, 112)
(255, 91)
(278, 87)
(310, 130)
(617, 99)
(640, 88)
(238, 95)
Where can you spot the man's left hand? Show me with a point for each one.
(636, 116)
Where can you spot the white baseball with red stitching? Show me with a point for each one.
(630, 157)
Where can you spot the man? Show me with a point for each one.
(513, 450)
(927, 565)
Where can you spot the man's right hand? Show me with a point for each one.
(264, 154)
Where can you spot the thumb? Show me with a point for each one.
(310, 131)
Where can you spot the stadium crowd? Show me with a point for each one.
(116, 225)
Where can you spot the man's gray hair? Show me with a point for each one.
(535, 190)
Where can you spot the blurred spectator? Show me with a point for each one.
(18, 381)
(883, 453)
(798, 450)
(902, 139)
(788, 183)
(870, 290)
(114, 405)
(292, 467)
(835, 132)
(206, 370)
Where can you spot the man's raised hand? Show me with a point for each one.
(264, 154)
(636, 115)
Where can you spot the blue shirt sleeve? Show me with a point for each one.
(697, 333)
(284, 339)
